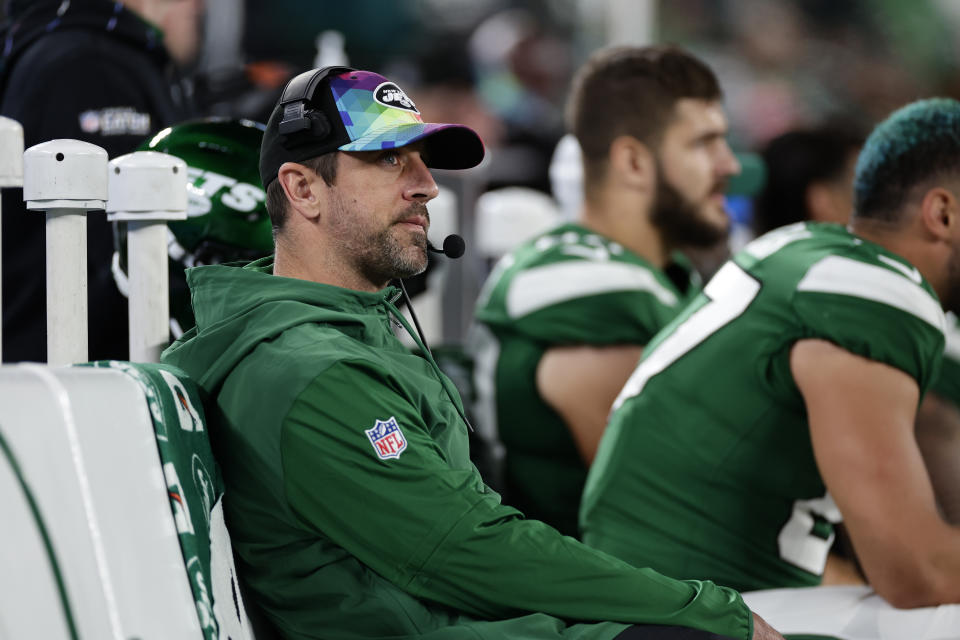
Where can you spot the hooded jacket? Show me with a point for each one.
(353, 506)
(88, 70)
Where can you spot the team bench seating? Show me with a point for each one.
(113, 522)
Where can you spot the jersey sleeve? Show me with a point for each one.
(437, 532)
(586, 301)
(874, 312)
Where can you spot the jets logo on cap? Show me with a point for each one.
(390, 95)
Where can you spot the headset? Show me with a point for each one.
(299, 120)
(297, 115)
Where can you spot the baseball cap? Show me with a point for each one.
(330, 109)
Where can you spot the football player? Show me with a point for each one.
(810, 177)
(563, 319)
(786, 394)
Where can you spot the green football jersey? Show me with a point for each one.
(706, 468)
(568, 286)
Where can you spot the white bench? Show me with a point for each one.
(102, 536)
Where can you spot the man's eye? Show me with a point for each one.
(391, 158)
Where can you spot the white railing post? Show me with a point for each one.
(11, 175)
(66, 178)
(146, 190)
(632, 22)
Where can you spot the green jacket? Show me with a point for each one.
(353, 506)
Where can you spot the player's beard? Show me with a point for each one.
(380, 255)
(679, 219)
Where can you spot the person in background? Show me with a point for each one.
(354, 509)
(563, 319)
(783, 400)
(105, 73)
(809, 176)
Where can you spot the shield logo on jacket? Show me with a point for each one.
(387, 438)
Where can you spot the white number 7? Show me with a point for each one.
(730, 292)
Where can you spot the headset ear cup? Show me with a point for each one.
(319, 124)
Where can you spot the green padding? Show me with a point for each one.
(193, 479)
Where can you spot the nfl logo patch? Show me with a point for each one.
(387, 438)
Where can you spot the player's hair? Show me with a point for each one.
(916, 144)
(631, 91)
(794, 161)
(325, 166)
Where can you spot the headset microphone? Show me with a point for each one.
(453, 246)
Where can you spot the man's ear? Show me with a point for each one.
(631, 163)
(940, 213)
(299, 185)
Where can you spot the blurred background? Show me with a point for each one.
(503, 67)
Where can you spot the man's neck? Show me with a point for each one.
(898, 240)
(322, 269)
(627, 222)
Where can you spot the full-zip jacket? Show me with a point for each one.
(353, 506)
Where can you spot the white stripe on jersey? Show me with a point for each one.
(550, 284)
(768, 244)
(837, 274)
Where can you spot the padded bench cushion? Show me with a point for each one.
(194, 487)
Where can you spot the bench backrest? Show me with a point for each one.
(115, 523)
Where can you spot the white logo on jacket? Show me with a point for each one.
(115, 121)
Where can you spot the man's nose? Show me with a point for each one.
(421, 186)
(727, 163)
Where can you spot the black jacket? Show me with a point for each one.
(98, 73)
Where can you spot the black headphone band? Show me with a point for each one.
(297, 94)
(303, 85)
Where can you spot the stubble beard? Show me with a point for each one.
(680, 221)
(380, 256)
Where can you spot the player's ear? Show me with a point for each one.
(940, 213)
(632, 163)
(299, 185)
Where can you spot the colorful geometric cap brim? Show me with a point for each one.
(446, 146)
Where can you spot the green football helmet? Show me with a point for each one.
(227, 218)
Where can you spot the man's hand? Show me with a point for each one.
(763, 631)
